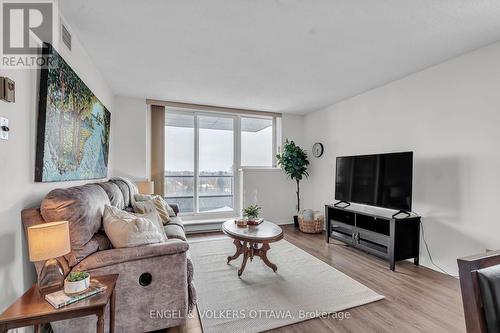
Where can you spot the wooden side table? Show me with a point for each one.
(32, 308)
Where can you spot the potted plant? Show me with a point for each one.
(252, 213)
(76, 282)
(294, 162)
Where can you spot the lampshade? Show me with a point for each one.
(146, 187)
(48, 240)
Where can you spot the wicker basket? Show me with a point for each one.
(312, 226)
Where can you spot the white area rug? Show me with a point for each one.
(304, 287)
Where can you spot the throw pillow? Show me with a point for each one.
(154, 205)
(129, 230)
(147, 197)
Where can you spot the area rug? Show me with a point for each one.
(303, 288)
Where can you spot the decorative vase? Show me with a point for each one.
(296, 221)
(76, 287)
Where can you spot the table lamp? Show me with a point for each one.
(146, 187)
(46, 242)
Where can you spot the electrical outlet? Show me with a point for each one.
(4, 124)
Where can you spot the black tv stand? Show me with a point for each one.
(384, 236)
(407, 214)
(337, 204)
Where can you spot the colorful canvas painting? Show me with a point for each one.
(73, 126)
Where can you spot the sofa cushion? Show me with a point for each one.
(124, 189)
(82, 206)
(117, 256)
(128, 188)
(129, 230)
(177, 220)
(190, 267)
(175, 231)
(114, 193)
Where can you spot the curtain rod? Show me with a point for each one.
(211, 108)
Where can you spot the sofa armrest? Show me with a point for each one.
(115, 256)
(175, 207)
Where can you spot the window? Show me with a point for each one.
(204, 150)
(179, 160)
(216, 160)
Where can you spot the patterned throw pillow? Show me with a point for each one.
(129, 230)
(147, 197)
(155, 204)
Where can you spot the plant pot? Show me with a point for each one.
(76, 286)
(296, 221)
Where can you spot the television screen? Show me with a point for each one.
(383, 180)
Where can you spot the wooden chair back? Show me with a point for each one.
(471, 294)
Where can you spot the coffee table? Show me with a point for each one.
(252, 240)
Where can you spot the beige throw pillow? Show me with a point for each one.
(163, 207)
(154, 205)
(126, 229)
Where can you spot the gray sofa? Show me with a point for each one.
(141, 305)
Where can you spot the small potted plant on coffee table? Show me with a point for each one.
(252, 214)
(76, 282)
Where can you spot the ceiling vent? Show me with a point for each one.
(66, 36)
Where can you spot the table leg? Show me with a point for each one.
(112, 313)
(246, 252)
(262, 253)
(38, 328)
(100, 322)
(239, 251)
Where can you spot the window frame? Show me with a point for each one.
(236, 195)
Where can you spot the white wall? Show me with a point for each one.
(270, 188)
(17, 160)
(272, 191)
(130, 137)
(449, 115)
(292, 128)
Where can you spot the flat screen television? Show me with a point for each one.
(383, 180)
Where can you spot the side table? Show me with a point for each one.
(32, 308)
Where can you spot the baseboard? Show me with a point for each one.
(213, 226)
(284, 221)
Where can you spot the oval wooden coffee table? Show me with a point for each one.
(252, 240)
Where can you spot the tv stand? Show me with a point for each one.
(386, 237)
(337, 204)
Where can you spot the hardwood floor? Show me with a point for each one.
(417, 299)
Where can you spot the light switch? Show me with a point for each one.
(7, 90)
(4, 128)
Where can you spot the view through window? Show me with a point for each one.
(215, 186)
(201, 159)
(179, 160)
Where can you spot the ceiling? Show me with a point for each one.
(291, 56)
